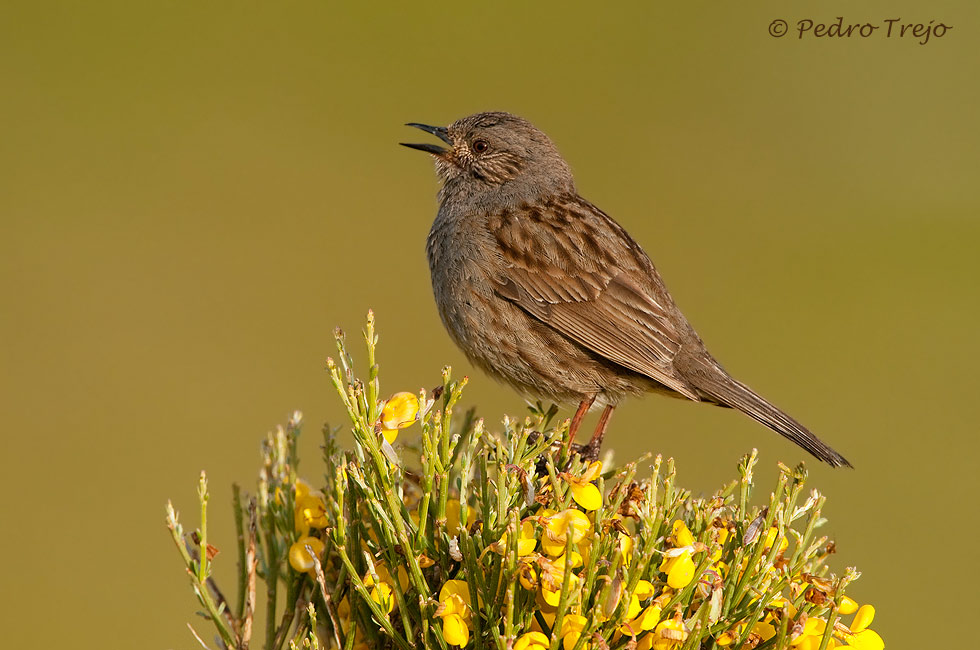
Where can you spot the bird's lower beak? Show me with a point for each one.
(439, 131)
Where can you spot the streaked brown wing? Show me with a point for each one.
(572, 267)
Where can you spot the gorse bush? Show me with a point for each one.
(468, 538)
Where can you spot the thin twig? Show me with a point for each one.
(288, 618)
(221, 601)
(198, 637)
(240, 530)
(251, 562)
(322, 583)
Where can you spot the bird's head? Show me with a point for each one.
(496, 155)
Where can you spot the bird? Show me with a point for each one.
(543, 290)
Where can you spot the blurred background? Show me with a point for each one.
(193, 195)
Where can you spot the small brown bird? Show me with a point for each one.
(543, 290)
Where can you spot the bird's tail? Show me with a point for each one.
(720, 387)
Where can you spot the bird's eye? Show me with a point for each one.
(480, 146)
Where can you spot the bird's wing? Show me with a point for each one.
(572, 267)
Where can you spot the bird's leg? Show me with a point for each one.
(590, 451)
(583, 408)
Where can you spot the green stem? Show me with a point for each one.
(380, 617)
(236, 500)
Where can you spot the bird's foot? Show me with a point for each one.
(589, 452)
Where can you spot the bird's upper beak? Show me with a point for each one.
(439, 131)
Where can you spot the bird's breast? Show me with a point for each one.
(461, 260)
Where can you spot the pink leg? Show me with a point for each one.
(591, 450)
(583, 408)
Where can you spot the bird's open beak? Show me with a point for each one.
(439, 131)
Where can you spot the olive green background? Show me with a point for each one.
(194, 194)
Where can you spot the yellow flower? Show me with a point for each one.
(785, 604)
(451, 523)
(402, 578)
(585, 549)
(571, 629)
(679, 568)
(721, 536)
(771, 537)
(863, 618)
(626, 549)
(644, 589)
(669, 634)
(381, 594)
(764, 631)
(525, 542)
(400, 411)
(584, 492)
(454, 630)
(455, 588)
(866, 640)
(452, 517)
(677, 562)
(532, 641)
(551, 589)
(526, 575)
(548, 613)
(682, 536)
(559, 562)
(810, 637)
(646, 642)
(304, 488)
(559, 526)
(300, 557)
(343, 611)
(721, 569)
(633, 609)
(454, 609)
(310, 509)
(642, 623)
(847, 606)
(726, 638)
(863, 638)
